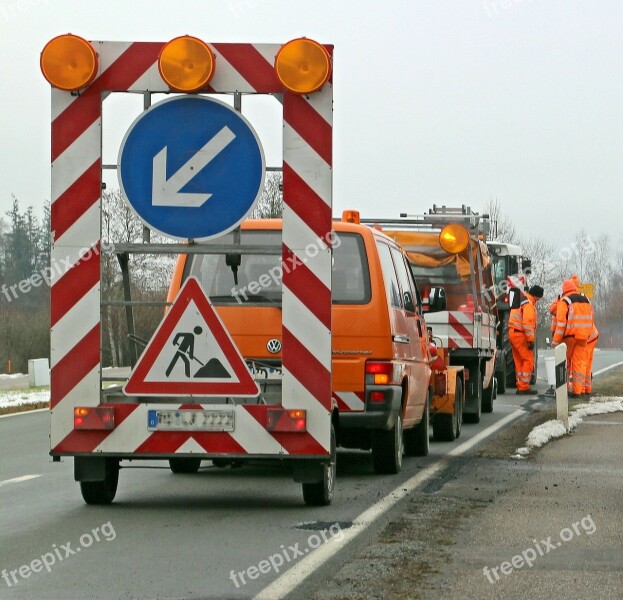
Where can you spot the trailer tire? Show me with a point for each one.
(387, 448)
(416, 440)
(184, 465)
(446, 428)
(320, 493)
(102, 492)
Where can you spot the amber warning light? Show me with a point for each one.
(303, 66)
(69, 62)
(186, 64)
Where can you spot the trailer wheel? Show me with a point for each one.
(417, 441)
(184, 465)
(102, 492)
(446, 428)
(387, 448)
(320, 493)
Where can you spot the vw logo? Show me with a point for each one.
(273, 346)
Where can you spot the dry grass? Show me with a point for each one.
(9, 410)
(609, 384)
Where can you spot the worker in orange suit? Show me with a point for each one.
(591, 343)
(574, 323)
(522, 335)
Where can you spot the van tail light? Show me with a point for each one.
(281, 420)
(94, 417)
(379, 373)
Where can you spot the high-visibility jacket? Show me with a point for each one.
(524, 318)
(552, 311)
(574, 318)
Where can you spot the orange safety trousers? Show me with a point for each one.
(587, 385)
(577, 358)
(523, 358)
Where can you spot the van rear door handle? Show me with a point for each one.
(401, 339)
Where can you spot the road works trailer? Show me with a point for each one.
(99, 427)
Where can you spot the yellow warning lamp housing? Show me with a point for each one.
(68, 62)
(186, 64)
(454, 238)
(350, 216)
(303, 66)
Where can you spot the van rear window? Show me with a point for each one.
(256, 278)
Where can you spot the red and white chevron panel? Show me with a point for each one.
(350, 401)
(76, 225)
(459, 329)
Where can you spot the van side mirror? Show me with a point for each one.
(526, 265)
(436, 299)
(514, 298)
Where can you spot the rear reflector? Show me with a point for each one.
(280, 419)
(377, 396)
(94, 417)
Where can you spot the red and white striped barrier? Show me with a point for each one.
(76, 225)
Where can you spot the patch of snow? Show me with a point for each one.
(555, 428)
(11, 376)
(19, 397)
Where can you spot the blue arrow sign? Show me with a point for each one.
(191, 167)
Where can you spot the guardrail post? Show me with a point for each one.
(562, 397)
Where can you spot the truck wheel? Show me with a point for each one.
(102, 492)
(184, 465)
(458, 400)
(474, 417)
(510, 371)
(320, 493)
(387, 448)
(501, 377)
(446, 428)
(417, 439)
(488, 395)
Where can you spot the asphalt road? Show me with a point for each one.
(178, 536)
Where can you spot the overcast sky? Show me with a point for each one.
(436, 101)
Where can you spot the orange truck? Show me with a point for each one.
(446, 249)
(382, 380)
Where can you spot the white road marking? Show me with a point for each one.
(18, 479)
(294, 576)
(607, 368)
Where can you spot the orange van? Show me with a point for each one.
(381, 365)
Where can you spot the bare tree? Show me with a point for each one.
(270, 204)
(502, 228)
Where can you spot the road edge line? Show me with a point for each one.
(293, 577)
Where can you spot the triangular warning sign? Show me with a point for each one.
(191, 354)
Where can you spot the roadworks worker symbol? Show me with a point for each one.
(191, 354)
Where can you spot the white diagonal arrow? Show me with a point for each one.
(166, 192)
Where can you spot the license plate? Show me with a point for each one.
(191, 420)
